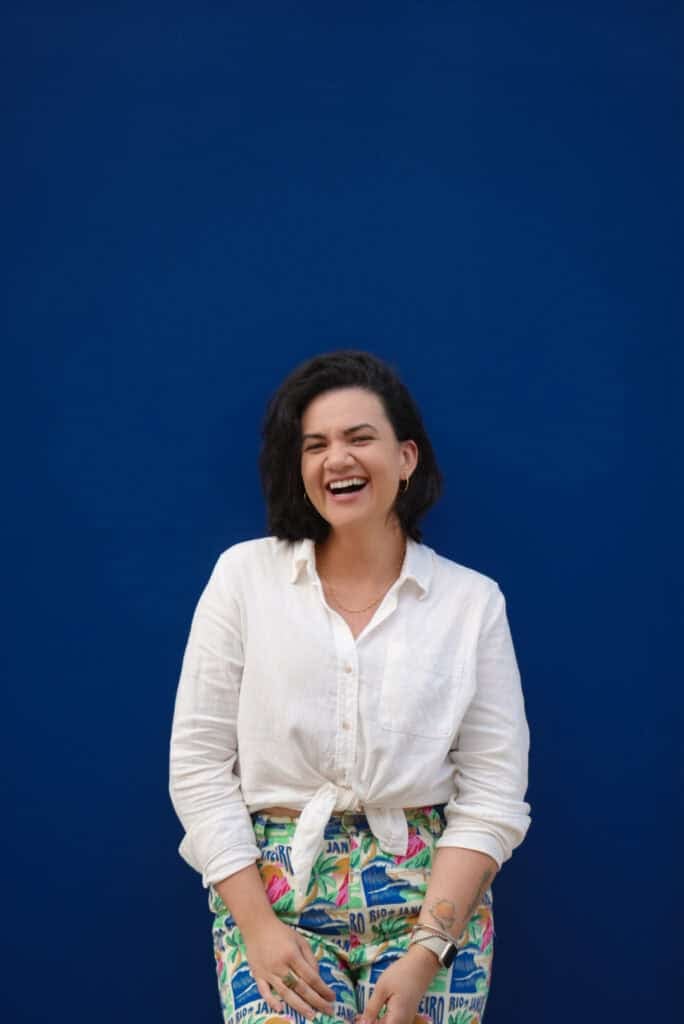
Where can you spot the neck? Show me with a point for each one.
(353, 555)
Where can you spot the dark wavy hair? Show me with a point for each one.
(290, 515)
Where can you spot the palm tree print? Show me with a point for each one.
(356, 916)
(389, 928)
(234, 946)
(464, 1017)
(323, 880)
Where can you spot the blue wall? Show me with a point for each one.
(487, 195)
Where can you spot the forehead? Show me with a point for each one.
(343, 407)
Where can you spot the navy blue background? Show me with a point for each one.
(199, 198)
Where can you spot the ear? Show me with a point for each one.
(409, 456)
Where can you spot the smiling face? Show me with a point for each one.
(346, 435)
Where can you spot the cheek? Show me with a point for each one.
(310, 473)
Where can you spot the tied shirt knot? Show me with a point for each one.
(388, 825)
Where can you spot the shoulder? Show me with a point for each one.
(257, 550)
(256, 556)
(450, 575)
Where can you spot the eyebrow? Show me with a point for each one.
(349, 430)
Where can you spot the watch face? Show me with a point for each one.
(448, 956)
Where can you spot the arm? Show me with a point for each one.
(203, 783)
(206, 795)
(487, 811)
(273, 948)
(486, 817)
(458, 879)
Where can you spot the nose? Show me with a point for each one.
(339, 455)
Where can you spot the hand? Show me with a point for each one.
(401, 987)
(273, 949)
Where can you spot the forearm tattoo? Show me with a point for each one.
(445, 912)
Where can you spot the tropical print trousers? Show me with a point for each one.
(357, 916)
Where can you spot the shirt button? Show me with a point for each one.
(348, 667)
(346, 726)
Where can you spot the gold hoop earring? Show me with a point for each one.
(406, 484)
(306, 497)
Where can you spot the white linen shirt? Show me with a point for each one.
(278, 704)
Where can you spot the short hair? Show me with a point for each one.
(290, 515)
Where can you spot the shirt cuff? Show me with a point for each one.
(228, 863)
(482, 842)
(223, 864)
(219, 847)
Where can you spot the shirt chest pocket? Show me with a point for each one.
(420, 691)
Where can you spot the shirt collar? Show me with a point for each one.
(417, 564)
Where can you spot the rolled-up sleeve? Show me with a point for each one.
(488, 811)
(203, 782)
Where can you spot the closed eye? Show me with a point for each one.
(319, 444)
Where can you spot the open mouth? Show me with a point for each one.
(343, 487)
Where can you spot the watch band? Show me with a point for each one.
(435, 931)
(444, 949)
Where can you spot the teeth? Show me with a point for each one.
(338, 485)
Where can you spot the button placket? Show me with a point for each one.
(347, 709)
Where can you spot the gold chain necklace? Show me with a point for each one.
(357, 611)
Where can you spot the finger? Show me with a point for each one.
(312, 996)
(396, 1013)
(311, 988)
(292, 998)
(308, 953)
(309, 970)
(266, 994)
(374, 1005)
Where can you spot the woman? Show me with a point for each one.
(349, 744)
